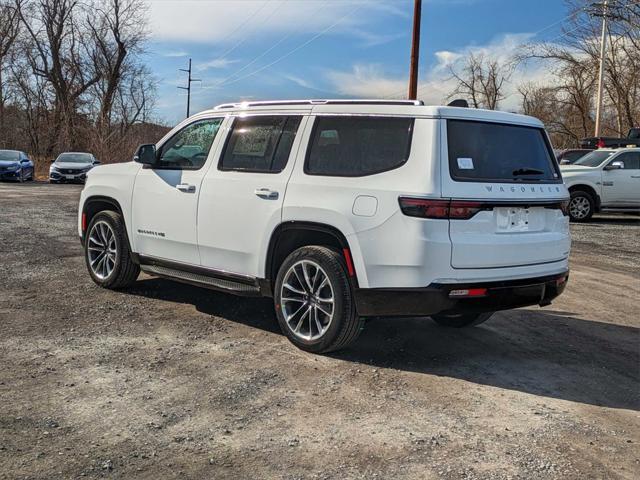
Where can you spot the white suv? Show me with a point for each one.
(604, 179)
(340, 210)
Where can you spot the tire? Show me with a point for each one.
(582, 206)
(462, 320)
(21, 179)
(107, 228)
(310, 323)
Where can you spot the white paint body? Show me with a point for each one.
(615, 188)
(224, 225)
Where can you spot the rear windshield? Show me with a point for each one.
(481, 151)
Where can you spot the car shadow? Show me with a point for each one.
(541, 352)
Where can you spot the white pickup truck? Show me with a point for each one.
(605, 179)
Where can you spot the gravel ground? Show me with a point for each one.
(172, 381)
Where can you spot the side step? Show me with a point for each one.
(198, 279)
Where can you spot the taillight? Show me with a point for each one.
(600, 143)
(440, 209)
(424, 208)
(564, 206)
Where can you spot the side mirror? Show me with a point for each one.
(617, 165)
(53, 160)
(97, 162)
(146, 154)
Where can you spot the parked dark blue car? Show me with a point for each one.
(15, 165)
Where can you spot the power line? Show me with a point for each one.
(291, 52)
(275, 45)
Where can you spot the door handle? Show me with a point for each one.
(635, 176)
(266, 193)
(184, 187)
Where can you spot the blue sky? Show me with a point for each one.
(284, 49)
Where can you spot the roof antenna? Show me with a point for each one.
(459, 102)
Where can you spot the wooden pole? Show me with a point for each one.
(415, 51)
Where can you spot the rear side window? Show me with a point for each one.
(493, 152)
(357, 146)
(260, 144)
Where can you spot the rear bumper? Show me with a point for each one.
(435, 298)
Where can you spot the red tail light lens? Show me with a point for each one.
(440, 209)
(600, 143)
(424, 208)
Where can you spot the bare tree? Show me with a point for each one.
(574, 59)
(9, 31)
(482, 80)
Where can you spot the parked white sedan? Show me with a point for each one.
(604, 179)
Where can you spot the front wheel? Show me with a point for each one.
(107, 252)
(314, 301)
(462, 320)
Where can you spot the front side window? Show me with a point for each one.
(189, 148)
(630, 160)
(344, 146)
(495, 152)
(260, 143)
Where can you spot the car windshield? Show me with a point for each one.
(75, 158)
(594, 158)
(9, 156)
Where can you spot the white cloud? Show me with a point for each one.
(218, 63)
(371, 81)
(174, 53)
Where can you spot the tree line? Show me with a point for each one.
(72, 79)
(566, 100)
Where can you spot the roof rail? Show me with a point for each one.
(279, 103)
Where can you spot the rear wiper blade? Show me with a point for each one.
(527, 171)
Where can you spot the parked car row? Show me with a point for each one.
(15, 165)
(69, 167)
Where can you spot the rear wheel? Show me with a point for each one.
(462, 320)
(581, 206)
(107, 252)
(314, 301)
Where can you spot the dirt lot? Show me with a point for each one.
(172, 381)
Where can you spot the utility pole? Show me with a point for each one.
(415, 50)
(188, 87)
(603, 50)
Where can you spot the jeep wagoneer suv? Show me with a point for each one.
(339, 210)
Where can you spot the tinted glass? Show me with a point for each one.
(573, 156)
(631, 160)
(357, 146)
(260, 144)
(9, 155)
(594, 158)
(75, 158)
(189, 148)
(480, 151)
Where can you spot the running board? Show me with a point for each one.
(198, 279)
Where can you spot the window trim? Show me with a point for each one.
(227, 140)
(552, 158)
(189, 169)
(315, 127)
